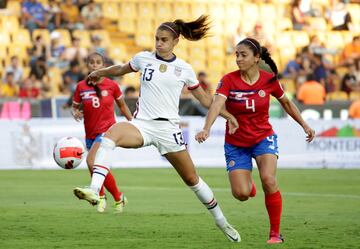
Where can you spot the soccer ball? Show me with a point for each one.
(68, 152)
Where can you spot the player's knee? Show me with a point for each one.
(191, 180)
(240, 195)
(268, 182)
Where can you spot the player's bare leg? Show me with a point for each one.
(183, 164)
(241, 182)
(273, 201)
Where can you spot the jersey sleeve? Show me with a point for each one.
(134, 63)
(117, 90)
(223, 87)
(277, 91)
(190, 79)
(76, 97)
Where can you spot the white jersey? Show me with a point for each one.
(161, 85)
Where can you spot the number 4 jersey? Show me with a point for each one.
(250, 105)
(99, 113)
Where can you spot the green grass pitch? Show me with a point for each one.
(321, 209)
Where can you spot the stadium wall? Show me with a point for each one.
(29, 144)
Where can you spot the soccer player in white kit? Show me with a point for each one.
(156, 119)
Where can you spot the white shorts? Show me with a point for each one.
(166, 136)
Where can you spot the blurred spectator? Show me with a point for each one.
(298, 17)
(96, 45)
(311, 92)
(130, 92)
(333, 82)
(259, 34)
(14, 68)
(9, 88)
(320, 73)
(203, 81)
(53, 14)
(70, 16)
(354, 109)
(238, 36)
(33, 15)
(351, 80)
(39, 49)
(91, 16)
(293, 67)
(29, 90)
(72, 77)
(351, 51)
(76, 52)
(38, 70)
(338, 16)
(57, 51)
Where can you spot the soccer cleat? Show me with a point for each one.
(230, 232)
(101, 205)
(119, 205)
(87, 194)
(275, 240)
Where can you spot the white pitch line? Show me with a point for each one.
(324, 195)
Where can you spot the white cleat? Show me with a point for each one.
(101, 206)
(230, 232)
(88, 195)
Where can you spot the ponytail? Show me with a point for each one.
(96, 87)
(192, 31)
(254, 46)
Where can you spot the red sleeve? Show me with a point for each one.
(223, 87)
(76, 97)
(117, 90)
(277, 90)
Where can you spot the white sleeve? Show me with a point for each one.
(190, 79)
(135, 62)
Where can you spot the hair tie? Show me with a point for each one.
(167, 26)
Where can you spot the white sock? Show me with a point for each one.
(206, 196)
(101, 164)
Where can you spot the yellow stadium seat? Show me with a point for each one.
(3, 54)
(338, 95)
(146, 10)
(65, 37)
(347, 36)
(286, 53)
(283, 39)
(289, 85)
(217, 10)
(354, 95)
(22, 37)
(44, 34)
(230, 63)
(10, 23)
(300, 39)
(127, 25)
(26, 72)
(216, 65)
(233, 13)
(284, 23)
(181, 10)
(267, 11)
(128, 10)
(18, 50)
(118, 53)
(4, 38)
(14, 7)
(144, 40)
(164, 11)
(146, 26)
(250, 13)
(318, 23)
(197, 9)
(198, 52)
(198, 63)
(181, 53)
(55, 75)
(132, 79)
(354, 10)
(84, 37)
(334, 39)
(104, 35)
(110, 10)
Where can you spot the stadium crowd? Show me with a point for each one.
(315, 74)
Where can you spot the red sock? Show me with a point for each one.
(253, 189)
(110, 185)
(102, 190)
(273, 204)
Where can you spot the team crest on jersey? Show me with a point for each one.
(162, 68)
(177, 71)
(104, 93)
(262, 93)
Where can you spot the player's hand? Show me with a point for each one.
(233, 125)
(310, 133)
(77, 114)
(202, 136)
(93, 78)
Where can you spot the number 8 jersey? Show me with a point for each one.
(99, 113)
(161, 84)
(250, 105)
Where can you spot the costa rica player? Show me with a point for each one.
(95, 104)
(246, 94)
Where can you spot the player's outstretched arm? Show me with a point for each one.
(124, 108)
(115, 70)
(294, 112)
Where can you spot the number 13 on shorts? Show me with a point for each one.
(179, 139)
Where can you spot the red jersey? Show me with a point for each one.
(250, 106)
(98, 112)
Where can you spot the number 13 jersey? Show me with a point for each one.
(250, 105)
(161, 84)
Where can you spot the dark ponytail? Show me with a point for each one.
(254, 46)
(96, 87)
(191, 31)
